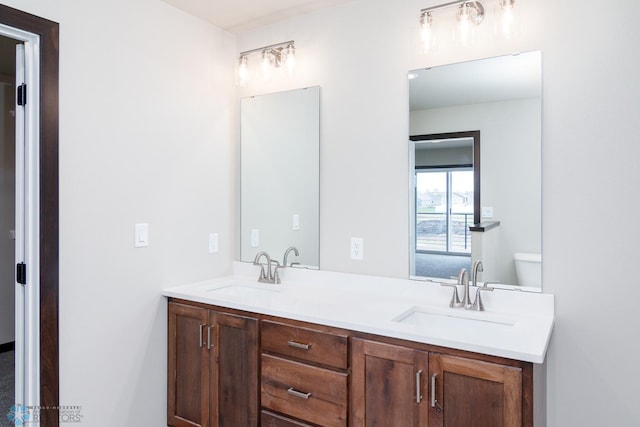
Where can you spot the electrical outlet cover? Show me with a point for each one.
(357, 248)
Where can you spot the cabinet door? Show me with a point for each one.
(388, 385)
(188, 363)
(471, 393)
(234, 397)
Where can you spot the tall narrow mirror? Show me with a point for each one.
(280, 175)
(475, 169)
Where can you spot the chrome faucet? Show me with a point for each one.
(477, 302)
(286, 255)
(267, 277)
(463, 279)
(477, 267)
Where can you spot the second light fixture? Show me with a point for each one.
(272, 57)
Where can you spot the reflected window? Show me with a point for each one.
(444, 212)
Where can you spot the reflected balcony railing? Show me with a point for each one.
(439, 232)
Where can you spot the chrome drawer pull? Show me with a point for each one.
(293, 392)
(201, 328)
(299, 345)
(433, 391)
(418, 384)
(209, 344)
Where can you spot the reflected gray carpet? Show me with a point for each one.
(7, 386)
(442, 266)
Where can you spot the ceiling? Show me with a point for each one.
(239, 15)
(488, 80)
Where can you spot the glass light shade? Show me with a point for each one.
(267, 64)
(464, 22)
(290, 58)
(507, 17)
(427, 31)
(243, 71)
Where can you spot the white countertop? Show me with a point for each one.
(515, 325)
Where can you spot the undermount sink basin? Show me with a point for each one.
(431, 318)
(244, 290)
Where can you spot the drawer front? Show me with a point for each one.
(268, 419)
(306, 392)
(305, 344)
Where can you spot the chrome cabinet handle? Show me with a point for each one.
(209, 345)
(299, 345)
(433, 390)
(418, 383)
(293, 392)
(200, 338)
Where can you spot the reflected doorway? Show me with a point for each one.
(446, 191)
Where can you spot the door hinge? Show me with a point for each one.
(21, 273)
(22, 94)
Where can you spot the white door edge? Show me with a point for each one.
(28, 224)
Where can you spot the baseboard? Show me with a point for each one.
(10, 346)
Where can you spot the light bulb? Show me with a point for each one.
(243, 71)
(507, 16)
(266, 64)
(464, 23)
(290, 58)
(426, 30)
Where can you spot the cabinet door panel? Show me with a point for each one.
(388, 385)
(188, 385)
(235, 385)
(470, 393)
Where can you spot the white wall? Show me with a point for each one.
(360, 52)
(147, 106)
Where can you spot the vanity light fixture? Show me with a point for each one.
(469, 14)
(272, 57)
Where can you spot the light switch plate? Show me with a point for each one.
(213, 243)
(487, 212)
(141, 237)
(296, 222)
(255, 238)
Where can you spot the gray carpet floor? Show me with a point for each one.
(442, 266)
(7, 379)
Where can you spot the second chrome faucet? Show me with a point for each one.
(463, 280)
(272, 276)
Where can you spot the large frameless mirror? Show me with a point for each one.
(280, 175)
(475, 169)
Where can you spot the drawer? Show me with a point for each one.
(268, 419)
(306, 392)
(305, 344)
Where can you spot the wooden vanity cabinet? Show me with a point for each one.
(388, 385)
(212, 368)
(236, 369)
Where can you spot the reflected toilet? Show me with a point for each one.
(528, 269)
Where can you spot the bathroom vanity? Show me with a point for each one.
(329, 349)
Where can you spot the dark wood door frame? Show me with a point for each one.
(49, 54)
(475, 134)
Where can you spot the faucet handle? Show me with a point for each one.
(477, 302)
(455, 300)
